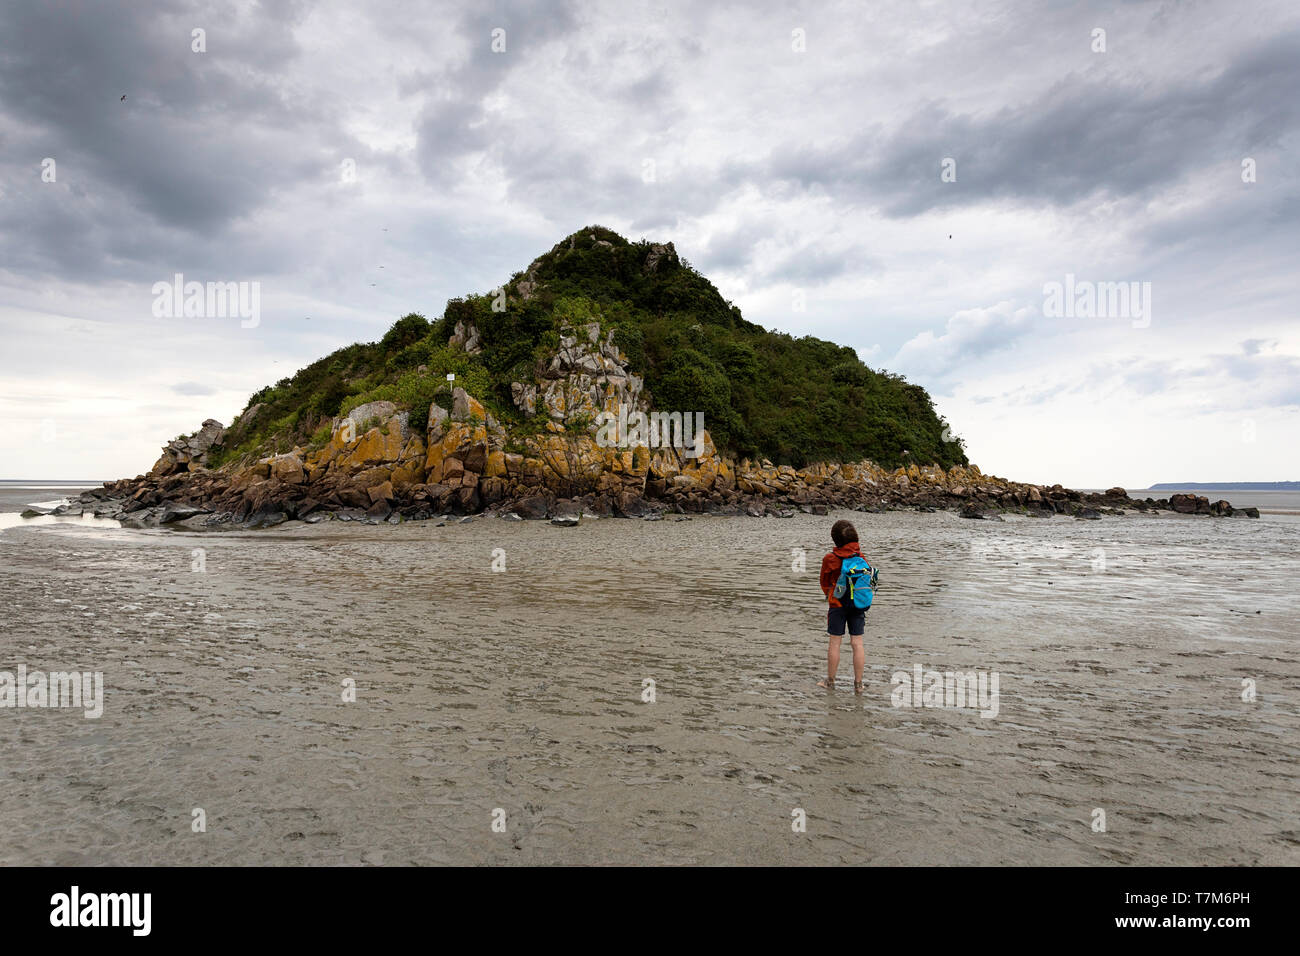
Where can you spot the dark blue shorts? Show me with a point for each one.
(854, 617)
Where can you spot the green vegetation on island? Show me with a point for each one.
(764, 394)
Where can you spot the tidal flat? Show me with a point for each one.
(631, 692)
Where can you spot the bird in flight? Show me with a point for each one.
(123, 99)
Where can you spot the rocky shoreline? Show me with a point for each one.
(573, 454)
(462, 467)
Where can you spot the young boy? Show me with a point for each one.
(845, 538)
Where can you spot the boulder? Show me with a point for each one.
(534, 507)
(467, 499)
(381, 492)
(407, 474)
(476, 458)
(438, 495)
(492, 490)
(464, 407)
(628, 504)
(287, 469)
(364, 413)
(438, 417)
(174, 511)
(267, 515)
(370, 449)
(165, 465)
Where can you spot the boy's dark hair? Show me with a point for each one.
(842, 532)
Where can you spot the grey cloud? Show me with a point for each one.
(1253, 346)
(815, 264)
(968, 338)
(455, 123)
(729, 250)
(1243, 383)
(202, 139)
(1083, 137)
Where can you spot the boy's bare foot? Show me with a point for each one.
(827, 682)
(857, 687)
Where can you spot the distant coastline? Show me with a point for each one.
(1227, 485)
(37, 482)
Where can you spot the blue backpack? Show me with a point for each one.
(857, 583)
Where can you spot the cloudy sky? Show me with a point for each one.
(364, 160)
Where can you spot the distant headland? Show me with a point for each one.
(1227, 485)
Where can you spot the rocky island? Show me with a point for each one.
(518, 403)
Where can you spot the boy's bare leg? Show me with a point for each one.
(859, 658)
(832, 661)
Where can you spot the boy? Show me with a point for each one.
(845, 538)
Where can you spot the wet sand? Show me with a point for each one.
(1120, 689)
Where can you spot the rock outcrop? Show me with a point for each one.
(466, 463)
(466, 336)
(189, 452)
(588, 375)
